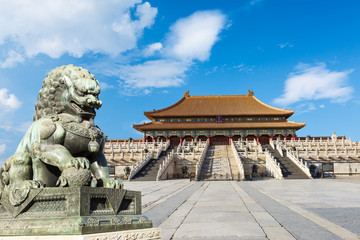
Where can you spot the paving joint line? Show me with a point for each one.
(161, 199)
(237, 187)
(158, 189)
(205, 186)
(162, 211)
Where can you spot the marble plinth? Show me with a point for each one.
(140, 234)
(72, 211)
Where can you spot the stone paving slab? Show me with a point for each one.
(341, 193)
(219, 230)
(270, 209)
(200, 208)
(159, 213)
(173, 222)
(219, 220)
(348, 218)
(278, 233)
(331, 203)
(224, 217)
(299, 226)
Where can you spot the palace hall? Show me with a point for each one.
(219, 119)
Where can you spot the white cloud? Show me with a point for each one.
(214, 69)
(287, 44)
(12, 59)
(8, 102)
(2, 149)
(7, 124)
(244, 68)
(314, 83)
(146, 91)
(22, 127)
(144, 121)
(252, 3)
(72, 26)
(157, 73)
(305, 107)
(192, 38)
(105, 86)
(152, 48)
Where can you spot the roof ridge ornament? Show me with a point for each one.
(186, 94)
(251, 93)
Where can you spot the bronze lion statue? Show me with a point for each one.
(63, 146)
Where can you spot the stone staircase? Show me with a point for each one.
(216, 164)
(288, 168)
(150, 170)
(235, 173)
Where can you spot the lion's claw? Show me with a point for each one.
(62, 182)
(80, 162)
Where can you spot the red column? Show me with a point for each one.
(153, 139)
(209, 139)
(181, 140)
(229, 140)
(257, 139)
(295, 137)
(143, 139)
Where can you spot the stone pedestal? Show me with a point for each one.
(140, 234)
(72, 211)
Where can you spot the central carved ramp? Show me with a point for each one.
(216, 165)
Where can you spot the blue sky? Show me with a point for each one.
(299, 54)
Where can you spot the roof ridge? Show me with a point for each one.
(169, 107)
(272, 106)
(209, 96)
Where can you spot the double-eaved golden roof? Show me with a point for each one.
(221, 105)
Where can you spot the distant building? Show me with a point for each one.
(219, 119)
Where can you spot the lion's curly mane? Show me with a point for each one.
(49, 96)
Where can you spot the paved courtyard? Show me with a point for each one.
(266, 209)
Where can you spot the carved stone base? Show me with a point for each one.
(141, 234)
(72, 211)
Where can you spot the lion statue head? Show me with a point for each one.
(68, 89)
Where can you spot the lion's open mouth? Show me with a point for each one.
(82, 110)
